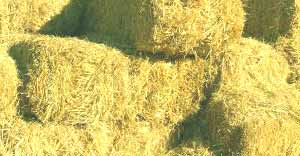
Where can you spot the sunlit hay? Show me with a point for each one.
(271, 137)
(269, 19)
(21, 138)
(140, 138)
(164, 92)
(248, 62)
(172, 26)
(252, 82)
(162, 95)
(9, 83)
(74, 82)
(4, 21)
(253, 63)
(33, 15)
(232, 106)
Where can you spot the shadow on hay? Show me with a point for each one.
(193, 130)
(267, 20)
(70, 23)
(22, 59)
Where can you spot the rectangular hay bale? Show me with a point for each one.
(169, 26)
(253, 86)
(74, 82)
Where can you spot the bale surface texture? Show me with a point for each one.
(252, 84)
(172, 26)
(9, 83)
(289, 46)
(269, 19)
(20, 138)
(271, 137)
(74, 82)
(47, 16)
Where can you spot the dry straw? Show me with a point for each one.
(171, 26)
(9, 83)
(252, 85)
(49, 16)
(289, 46)
(74, 82)
(20, 138)
(269, 19)
(271, 137)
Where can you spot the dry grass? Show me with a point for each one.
(32, 16)
(172, 27)
(73, 82)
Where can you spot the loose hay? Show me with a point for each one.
(171, 26)
(77, 83)
(269, 19)
(22, 139)
(252, 85)
(48, 16)
(9, 83)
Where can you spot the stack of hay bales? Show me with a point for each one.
(9, 83)
(173, 26)
(77, 83)
(289, 46)
(47, 16)
(253, 86)
(269, 19)
(20, 138)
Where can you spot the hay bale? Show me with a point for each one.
(9, 83)
(74, 82)
(252, 84)
(232, 106)
(251, 62)
(271, 137)
(289, 46)
(269, 19)
(172, 27)
(47, 16)
(20, 138)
